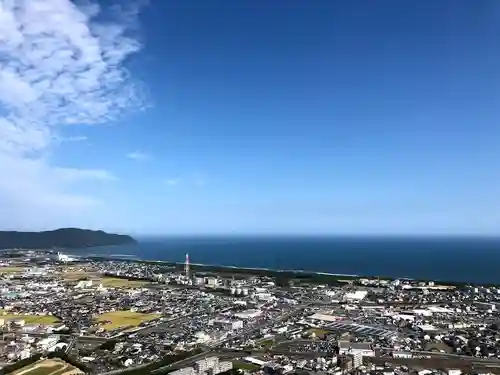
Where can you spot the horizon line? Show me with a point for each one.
(316, 235)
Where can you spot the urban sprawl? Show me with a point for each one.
(63, 316)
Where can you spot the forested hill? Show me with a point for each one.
(61, 238)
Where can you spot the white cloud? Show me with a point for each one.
(172, 181)
(139, 156)
(60, 64)
(75, 138)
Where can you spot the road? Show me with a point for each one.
(71, 344)
(231, 353)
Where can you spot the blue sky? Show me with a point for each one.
(242, 117)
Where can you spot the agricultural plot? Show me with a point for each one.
(114, 282)
(11, 269)
(48, 367)
(118, 319)
(30, 319)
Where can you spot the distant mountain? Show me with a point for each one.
(61, 238)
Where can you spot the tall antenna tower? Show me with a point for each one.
(186, 266)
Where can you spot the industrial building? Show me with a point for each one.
(248, 314)
(227, 324)
(362, 348)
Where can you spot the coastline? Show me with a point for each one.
(303, 275)
(464, 261)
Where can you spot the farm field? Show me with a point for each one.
(30, 319)
(11, 269)
(114, 282)
(124, 319)
(48, 367)
(246, 366)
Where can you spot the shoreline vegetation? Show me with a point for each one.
(284, 277)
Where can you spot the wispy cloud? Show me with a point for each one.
(76, 138)
(200, 179)
(172, 181)
(139, 156)
(60, 65)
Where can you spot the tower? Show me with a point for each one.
(186, 266)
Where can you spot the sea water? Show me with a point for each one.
(452, 259)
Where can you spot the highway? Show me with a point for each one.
(231, 353)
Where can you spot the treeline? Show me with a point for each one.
(130, 278)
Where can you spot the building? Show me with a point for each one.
(364, 348)
(402, 354)
(206, 366)
(264, 296)
(325, 317)
(212, 281)
(48, 342)
(227, 324)
(202, 337)
(248, 314)
(484, 306)
(63, 258)
(280, 330)
(357, 359)
(356, 296)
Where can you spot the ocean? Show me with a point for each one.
(473, 260)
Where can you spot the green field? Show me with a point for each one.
(11, 269)
(266, 343)
(120, 319)
(245, 366)
(30, 319)
(114, 282)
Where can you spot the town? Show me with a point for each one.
(68, 315)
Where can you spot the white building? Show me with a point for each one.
(402, 354)
(357, 359)
(48, 342)
(212, 281)
(264, 296)
(202, 337)
(83, 284)
(228, 324)
(25, 353)
(280, 330)
(209, 365)
(363, 348)
(325, 317)
(358, 295)
(64, 258)
(248, 314)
